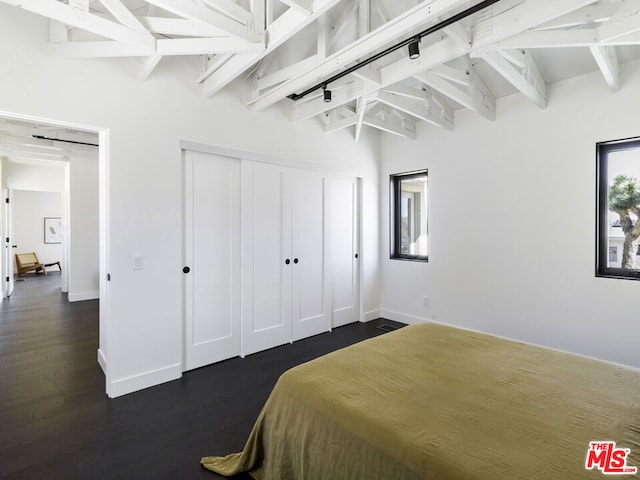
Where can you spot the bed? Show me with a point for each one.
(430, 401)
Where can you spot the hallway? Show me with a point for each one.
(49, 377)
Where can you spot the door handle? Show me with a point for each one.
(295, 260)
(186, 270)
(14, 246)
(287, 261)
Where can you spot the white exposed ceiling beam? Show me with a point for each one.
(607, 60)
(476, 97)
(576, 38)
(342, 21)
(584, 16)
(212, 65)
(58, 32)
(418, 109)
(431, 56)
(180, 26)
(195, 12)
(442, 52)
(334, 122)
(452, 74)
(278, 32)
(259, 11)
(303, 6)
(381, 10)
(231, 9)
(146, 66)
(202, 46)
(361, 109)
(175, 46)
(124, 16)
(285, 74)
(458, 33)
(624, 22)
(524, 16)
(322, 41)
(519, 68)
(394, 124)
(546, 39)
(369, 74)
(86, 21)
(364, 17)
(398, 27)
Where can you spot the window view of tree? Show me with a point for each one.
(624, 200)
(618, 239)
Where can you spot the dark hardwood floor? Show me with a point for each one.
(57, 423)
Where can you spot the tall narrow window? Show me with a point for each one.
(408, 193)
(618, 225)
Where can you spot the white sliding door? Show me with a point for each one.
(285, 290)
(267, 262)
(311, 295)
(212, 258)
(344, 244)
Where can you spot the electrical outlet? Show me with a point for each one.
(426, 301)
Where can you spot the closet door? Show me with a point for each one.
(344, 254)
(212, 258)
(311, 295)
(267, 261)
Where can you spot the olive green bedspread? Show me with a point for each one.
(435, 402)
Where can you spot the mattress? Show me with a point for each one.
(430, 401)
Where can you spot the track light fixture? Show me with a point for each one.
(414, 48)
(327, 94)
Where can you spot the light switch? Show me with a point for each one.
(137, 262)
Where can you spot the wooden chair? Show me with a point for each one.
(26, 262)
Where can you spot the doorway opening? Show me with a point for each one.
(54, 177)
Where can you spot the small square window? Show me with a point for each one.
(408, 194)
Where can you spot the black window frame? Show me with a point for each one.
(603, 149)
(395, 194)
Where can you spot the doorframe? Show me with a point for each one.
(104, 220)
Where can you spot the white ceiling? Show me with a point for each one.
(280, 47)
(32, 143)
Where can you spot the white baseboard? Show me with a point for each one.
(102, 361)
(144, 380)
(81, 297)
(372, 315)
(403, 317)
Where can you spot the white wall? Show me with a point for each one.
(43, 178)
(29, 210)
(84, 268)
(146, 121)
(512, 222)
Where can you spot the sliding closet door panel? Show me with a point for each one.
(212, 253)
(344, 250)
(310, 296)
(267, 279)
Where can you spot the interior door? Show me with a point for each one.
(212, 258)
(8, 263)
(344, 242)
(266, 256)
(311, 296)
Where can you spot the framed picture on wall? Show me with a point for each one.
(52, 230)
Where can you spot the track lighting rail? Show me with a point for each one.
(412, 41)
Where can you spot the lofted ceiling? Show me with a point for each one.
(279, 48)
